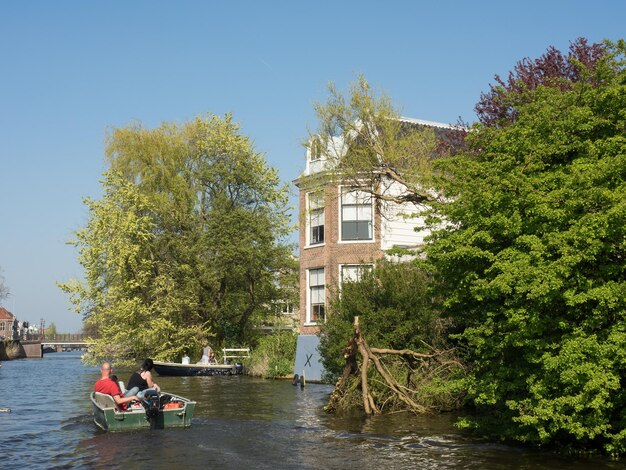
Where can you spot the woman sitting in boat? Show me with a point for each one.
(141, 383)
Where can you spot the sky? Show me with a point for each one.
(72, 70)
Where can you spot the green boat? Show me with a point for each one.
(169, 411)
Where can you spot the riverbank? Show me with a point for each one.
(16, 349)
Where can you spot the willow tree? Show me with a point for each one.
(185, 243)
(366, 142)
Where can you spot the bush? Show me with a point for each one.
(395, 308)
(273, 356)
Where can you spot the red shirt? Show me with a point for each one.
(109, 387)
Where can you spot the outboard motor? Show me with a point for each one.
(238, 368)
(152, 404)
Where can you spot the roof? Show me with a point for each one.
(5, 314)
(429, 123)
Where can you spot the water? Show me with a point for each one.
(239, 423)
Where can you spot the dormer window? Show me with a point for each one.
(315, 149)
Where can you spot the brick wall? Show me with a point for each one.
(332, 253)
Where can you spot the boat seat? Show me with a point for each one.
(104, 400)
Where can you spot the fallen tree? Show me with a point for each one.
(399, 379)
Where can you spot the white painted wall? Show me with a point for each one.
(328, 157)
(400, 223)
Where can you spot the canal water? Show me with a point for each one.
(240, 423)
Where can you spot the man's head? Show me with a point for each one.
(106, 369)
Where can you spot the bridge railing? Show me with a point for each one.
(60, 338)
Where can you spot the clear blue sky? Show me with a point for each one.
(71, 69)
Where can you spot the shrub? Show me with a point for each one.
(273, 356)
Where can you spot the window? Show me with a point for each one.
(354, 272)
(317, 295)
(287, 308)
(356, 215)
(315, 149)
(316, 218)
(2, 325)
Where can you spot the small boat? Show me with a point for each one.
(160, 411)
(186, 370)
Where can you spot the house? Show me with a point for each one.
(284, 312)
(8, 324)
(344, 230)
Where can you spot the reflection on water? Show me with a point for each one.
(239, 423)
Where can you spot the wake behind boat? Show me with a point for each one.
(187, 370)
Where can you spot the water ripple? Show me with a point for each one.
(239, 423)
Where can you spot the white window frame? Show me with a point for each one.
(340, 216)
(315, 150)
(288, 308)
(368, 266)
(309, 306)
(309, 228)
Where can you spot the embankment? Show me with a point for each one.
(14, 349)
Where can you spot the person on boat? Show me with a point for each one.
(141, 383)
(207, 351)
(109, 386)
(212, 359)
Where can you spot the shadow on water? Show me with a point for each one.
(239, 422)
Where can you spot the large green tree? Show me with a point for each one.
(184, 244)
(532, 258)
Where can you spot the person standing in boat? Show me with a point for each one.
(141, 382)
(207, 352)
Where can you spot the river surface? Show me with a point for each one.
(239, 423)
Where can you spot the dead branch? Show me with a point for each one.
(368, 400)
(402, 352)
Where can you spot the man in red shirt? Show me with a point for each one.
(110, 387)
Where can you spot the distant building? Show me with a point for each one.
(344, 231)
(8, 325)
(283, 313)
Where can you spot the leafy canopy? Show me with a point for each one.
(532, 262)
(366, 143)
(185, 242)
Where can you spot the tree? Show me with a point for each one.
(366, 143)
(184, 243)
(51, 330)
(531, 263)
(395, 308)
(4, 290)
(498, 107)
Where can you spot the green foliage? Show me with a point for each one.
(184, 243)
(366, 143)
(273, 355)
(51, 330)
(531, 263)
(395, 311)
